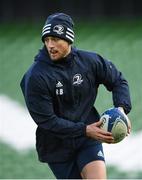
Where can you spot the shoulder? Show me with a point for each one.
(39, 70)
(86, 54)
(35, 75)
(38, 74)
(90, 57)
(95, 61)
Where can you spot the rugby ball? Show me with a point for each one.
(114, 121)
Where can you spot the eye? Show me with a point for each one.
(47, 39)
(56, 39)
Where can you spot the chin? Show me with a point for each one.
(55, 58)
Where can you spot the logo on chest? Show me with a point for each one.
(77, 79)
(59, 88)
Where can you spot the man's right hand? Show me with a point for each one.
(94, 131)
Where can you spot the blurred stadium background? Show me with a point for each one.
(111, 28)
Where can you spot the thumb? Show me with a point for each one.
(99, 123)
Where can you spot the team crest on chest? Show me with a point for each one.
(77, 79)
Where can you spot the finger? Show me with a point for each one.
(129, 131)
(105, 133)
(107, 138)
(109, 141)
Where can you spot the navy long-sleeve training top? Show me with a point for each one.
(60, 97)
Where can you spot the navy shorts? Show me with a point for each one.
(72, 169)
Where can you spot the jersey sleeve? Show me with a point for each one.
(40, 105)
(108, 75)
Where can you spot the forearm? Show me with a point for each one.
(121, 96)
(62, 128)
